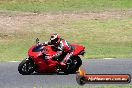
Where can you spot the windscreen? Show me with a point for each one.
(38, 48)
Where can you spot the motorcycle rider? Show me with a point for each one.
(62, 46)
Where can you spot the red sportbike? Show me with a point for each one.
(38, 60)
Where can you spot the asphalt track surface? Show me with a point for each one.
(10, 77)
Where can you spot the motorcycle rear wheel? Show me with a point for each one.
(26, 67)
(77, 62)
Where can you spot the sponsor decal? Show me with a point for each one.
(83, 78)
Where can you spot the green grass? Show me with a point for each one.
(63, 5)
(102, 37)
(106, 38)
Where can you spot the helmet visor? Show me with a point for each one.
(54, 41)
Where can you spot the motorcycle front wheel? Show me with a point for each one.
(26, 67)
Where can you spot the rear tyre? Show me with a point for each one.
(26, 67)
(74, 65)
(77, 63)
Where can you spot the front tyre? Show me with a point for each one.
(26, 67)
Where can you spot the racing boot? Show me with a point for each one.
(66, 59)
(63, 63)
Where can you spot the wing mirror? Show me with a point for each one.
(37, 41)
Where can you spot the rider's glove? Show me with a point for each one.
(45, 43)
(38, 44)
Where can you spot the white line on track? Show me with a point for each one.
(14, 61)
(108, 58)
